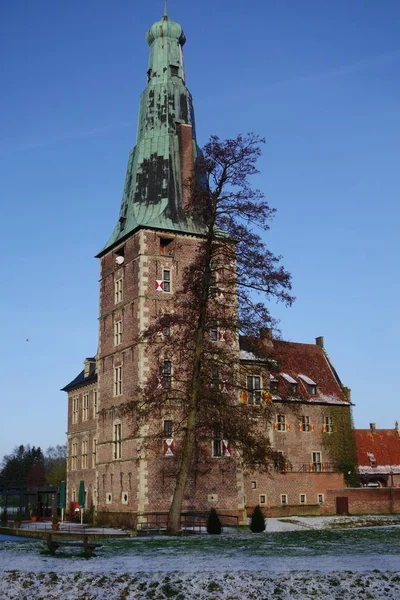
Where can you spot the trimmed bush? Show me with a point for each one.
(214, 526)
(257, 523)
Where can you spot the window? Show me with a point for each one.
(94, 404)
(117, 333)
(75, 409)
(284, 499)
(118, 381)
(166, 280)
(328, 425)
(254, 390)
(214, 333)
(167, 375)
(316, 462)
(118, 290)
(214, 376)
(293, 388)
(262, 499)
(281, 422)
(84, 454)
(94, 452)
(85, 407)
(174, 70)
(74, 456)
(320, 498)
(273, 385)
(164, 243)
(217, 440)
(312, 389)
(302, 499)
(254, 485)
(168, 429)
(117, 440)
(305, 423)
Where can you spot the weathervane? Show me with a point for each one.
(165, 10)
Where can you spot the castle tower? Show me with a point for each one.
(142, 265)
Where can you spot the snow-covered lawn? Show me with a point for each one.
(311, 561)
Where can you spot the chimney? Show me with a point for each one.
(372, 427)
(90, 367)
(266, 337)
(320, 341)
(347, 393)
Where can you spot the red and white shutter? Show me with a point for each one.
(226, 448)
(159, 285)
(160, 382)
(221, 335)
(224, 386)
(169, 447)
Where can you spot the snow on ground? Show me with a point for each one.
(301, 559)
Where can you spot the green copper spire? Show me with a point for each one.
(153, 195)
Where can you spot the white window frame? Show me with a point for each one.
(117, 440)
(254, 485)
(74, 455)
(167, 280)
(302, 496)
(84, 454)
(85, 407)
(262, 499)
(118, 380)
(328, 422)
(317, 464)
(118, 290)
(95, 401)
(320, 498)
(118, 332)
(281, 422)
(94, 452)
(284, 502)
(253, 386)
(75, 410)
(217, 441)
(305, 423)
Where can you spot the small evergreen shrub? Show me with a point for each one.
(257, 523)
(213, 523)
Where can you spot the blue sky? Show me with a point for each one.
(319, 79)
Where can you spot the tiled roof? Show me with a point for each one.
(383, 444)
(300, 362)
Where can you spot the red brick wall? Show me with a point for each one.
(366, 501)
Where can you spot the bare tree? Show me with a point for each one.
(199, 379)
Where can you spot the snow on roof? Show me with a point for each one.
(380, 470)
(245, 355)
(288, 378)
(307, 380)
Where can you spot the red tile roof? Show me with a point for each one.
(294, 359)
(310, 360)
(384, 445)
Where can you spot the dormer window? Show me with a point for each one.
(293, 388)
(273, 384)
(310, 385)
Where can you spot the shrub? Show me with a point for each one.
(213, 523)
(257, 523)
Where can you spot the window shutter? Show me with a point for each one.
(223, 386)
(266, 397)
(159, 285)
(226, 448)
(310, 467)
(287, 426)
(300, 427)
(169, 447)
(324, 428)
(244, 397)
(312, 427)
(160, 382)
(324, 467)
(162, 250)
(276, 426)
(220, 295)
(221, 335)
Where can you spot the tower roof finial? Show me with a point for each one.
(165, 16)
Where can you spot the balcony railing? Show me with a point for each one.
(312, 467)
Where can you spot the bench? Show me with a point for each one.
(85, 544)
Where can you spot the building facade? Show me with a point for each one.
(141, 273)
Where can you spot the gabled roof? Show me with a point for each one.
(298, 363)
(383, 445)
(80, 379)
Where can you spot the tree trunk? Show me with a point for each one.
(174, 526)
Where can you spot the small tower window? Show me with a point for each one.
(174, 70)
(149, 74)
